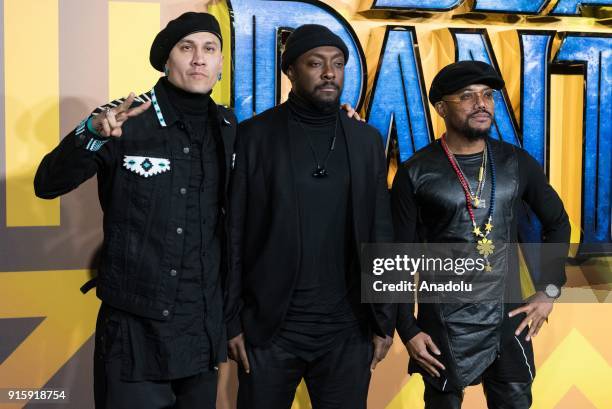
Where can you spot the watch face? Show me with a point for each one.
(552, 291)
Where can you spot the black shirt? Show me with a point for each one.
(180, 347)
(320, 312)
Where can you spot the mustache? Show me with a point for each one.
(481, 111)
(328, 84)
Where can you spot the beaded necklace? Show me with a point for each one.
(484, 245)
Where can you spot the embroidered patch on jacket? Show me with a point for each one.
(146, 166)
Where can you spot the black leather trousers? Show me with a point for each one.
(500, 395)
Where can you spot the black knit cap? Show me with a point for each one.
(185, 24)
(305, 38)
(458, 75)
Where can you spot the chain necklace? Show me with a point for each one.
(476, 198)
(481, 232)
(321, 169)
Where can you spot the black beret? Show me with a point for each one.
(307, 37)
(458, 75)
(183, 25)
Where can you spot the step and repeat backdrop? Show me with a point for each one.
(62, 58)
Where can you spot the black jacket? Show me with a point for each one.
(143, 243)
(265, 225)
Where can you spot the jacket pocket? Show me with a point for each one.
(141, 177)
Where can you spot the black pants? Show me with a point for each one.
(112, 392)
(193, 392)
(500, 395)
(338, 379)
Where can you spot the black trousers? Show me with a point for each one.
(111, 392)
(339, 379)
(500, 395)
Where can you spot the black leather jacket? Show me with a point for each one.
(429, 206)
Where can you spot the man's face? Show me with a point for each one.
(318, 76)
(195, 62)
(469, 111)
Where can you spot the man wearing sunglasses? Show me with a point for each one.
(467, 187)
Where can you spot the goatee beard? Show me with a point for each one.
(472, 134)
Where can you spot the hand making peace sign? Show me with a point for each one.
(109, 122)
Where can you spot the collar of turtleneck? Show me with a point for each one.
(187, 103)
(307, 113)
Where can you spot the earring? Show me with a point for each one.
(166, 71)
(219, 77)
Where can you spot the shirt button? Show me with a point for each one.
(165, 313)
(183, 191)
(179, 230)
(173, 273)
(185, 150)
(181, 126)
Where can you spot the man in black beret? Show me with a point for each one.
(309, 187)
(468, 188)
(162, 180)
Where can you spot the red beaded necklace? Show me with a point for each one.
(485, 246)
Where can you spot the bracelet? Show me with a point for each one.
(90, 127)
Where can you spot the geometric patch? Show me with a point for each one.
(146, 166)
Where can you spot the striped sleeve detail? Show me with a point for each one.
(142, 98)
(93, 144)
(111, 104)
(81, 127)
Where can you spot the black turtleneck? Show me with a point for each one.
(320, 311)
(307, 112)
(187, 103)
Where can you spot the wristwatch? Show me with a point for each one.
(552, 291)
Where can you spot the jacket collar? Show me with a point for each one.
(166, 115)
